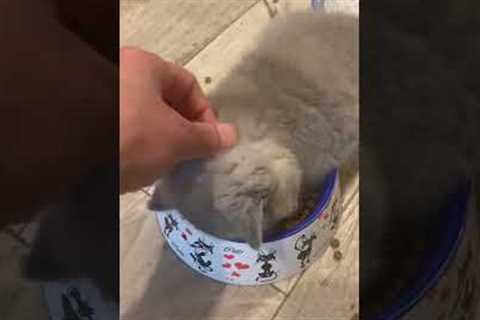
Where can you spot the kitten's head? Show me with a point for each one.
(235, 195)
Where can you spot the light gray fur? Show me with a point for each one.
(294, 101)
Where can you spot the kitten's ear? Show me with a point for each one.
(254, 226)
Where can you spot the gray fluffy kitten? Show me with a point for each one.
(294, 100)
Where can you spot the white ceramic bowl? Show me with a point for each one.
(280, 257)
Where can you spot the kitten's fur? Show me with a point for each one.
(294, 100)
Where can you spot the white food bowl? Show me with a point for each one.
(280, 257)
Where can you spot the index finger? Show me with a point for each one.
(181, 90)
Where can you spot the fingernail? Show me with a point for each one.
(228, 135)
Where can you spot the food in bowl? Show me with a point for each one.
(306, 206)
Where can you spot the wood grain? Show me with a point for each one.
(346, 6)
(127, 201)
(177, 30)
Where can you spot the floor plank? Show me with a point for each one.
(155, 285)
(229, 47)
(290, 6)
(285, 286)
(177, 30)
(131, 224)
(128, 201)
(347, 6)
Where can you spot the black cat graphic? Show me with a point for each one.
(267, 274)
(200, 255)
(83, 310)
(170, 224)
(69, 312)
(304, 246)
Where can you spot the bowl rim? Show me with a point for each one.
(435, 264)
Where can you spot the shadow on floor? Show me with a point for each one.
(176, 292)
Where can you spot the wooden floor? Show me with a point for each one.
(209, 37)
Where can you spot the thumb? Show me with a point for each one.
(205, 139)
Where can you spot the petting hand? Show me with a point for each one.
(164, 118)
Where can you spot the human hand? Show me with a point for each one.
(164, 118)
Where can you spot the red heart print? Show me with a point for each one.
(241, 266)
(188, 231)
(184, 236)
(226, 265)
(235, 274)
(229, 256)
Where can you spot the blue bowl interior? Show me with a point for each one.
(447, 238)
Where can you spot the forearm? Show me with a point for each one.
(57, 106)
